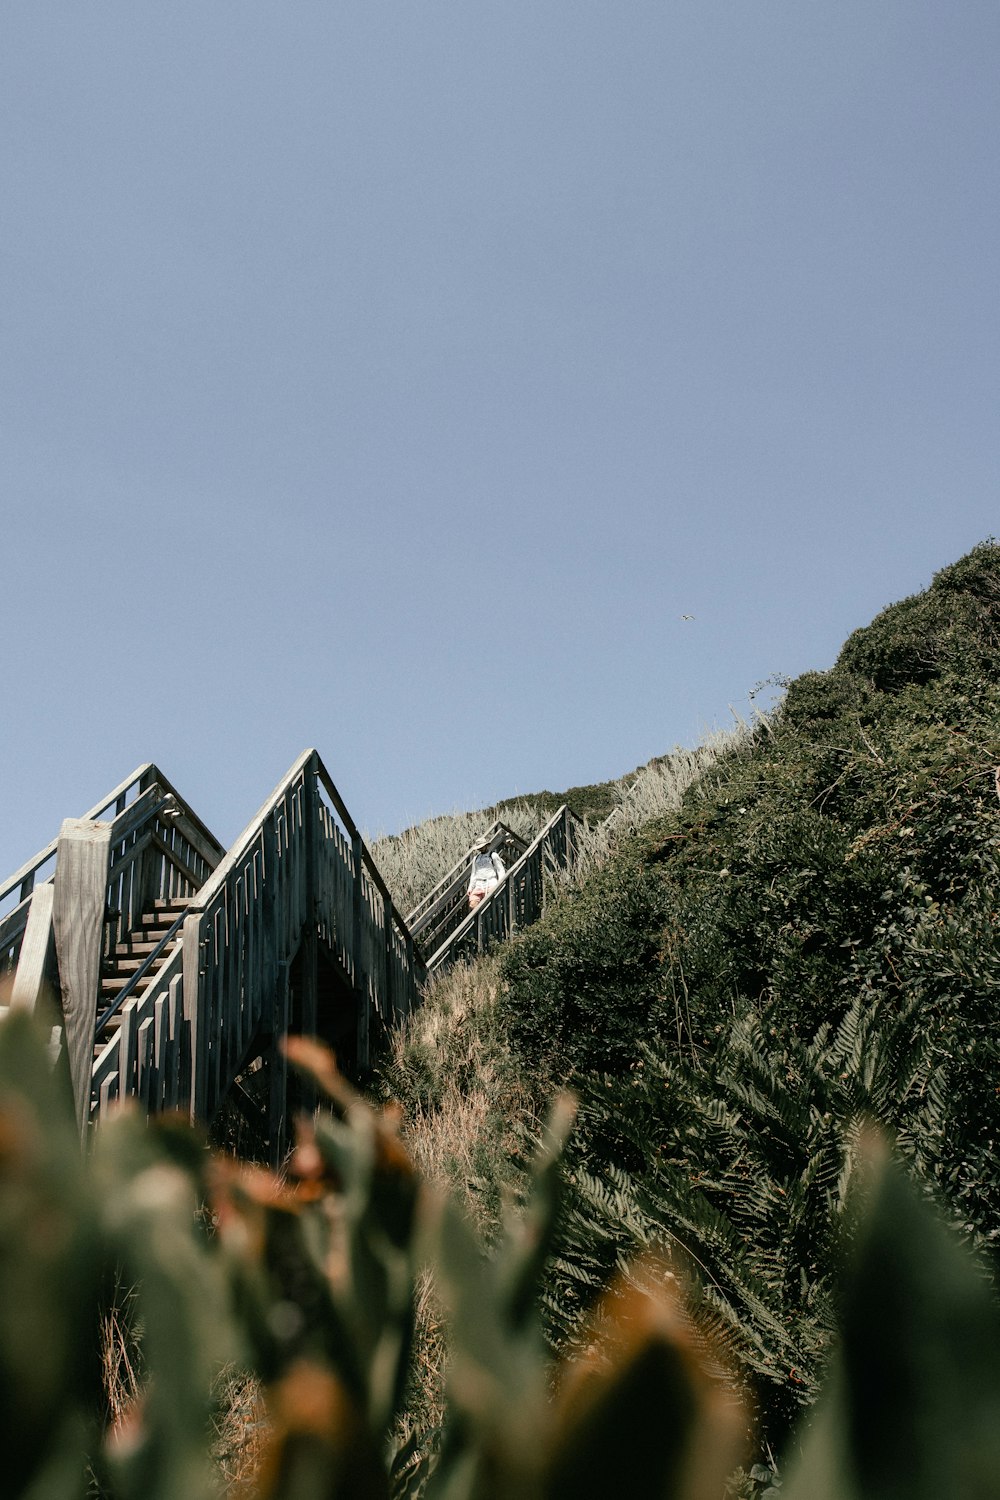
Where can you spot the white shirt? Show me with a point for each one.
(487, 872)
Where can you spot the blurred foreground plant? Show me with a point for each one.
(309, 1283)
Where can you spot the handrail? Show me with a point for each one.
(140, 973)
(490, 839)
(474, 919)
(219, 875)
(231, 859)
(149, 773)
(352, 828)
(30, 868)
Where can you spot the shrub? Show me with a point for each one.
(583, 986)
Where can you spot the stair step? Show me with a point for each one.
(126, 963)
(113, 984)
(136, 946)
(161, 919)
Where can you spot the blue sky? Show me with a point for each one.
(393, 378)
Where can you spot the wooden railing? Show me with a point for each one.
(297, 887)
(359, 924)
(444, 908)
(517, 901)
(298, 877)
(17, 891)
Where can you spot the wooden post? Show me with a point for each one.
(194, 1020)
(411, 975)
(34, 961)
(80, 887)
(360, 987)
(390, 978)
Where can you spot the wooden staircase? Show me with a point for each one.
(181, 965)
(443, 924)
(133, 962)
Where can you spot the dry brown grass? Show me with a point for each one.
(464, 1099)
(240, 1421)
(466, 1107)
(241, 1430)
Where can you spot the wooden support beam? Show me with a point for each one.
(34, 963)
(80, 883)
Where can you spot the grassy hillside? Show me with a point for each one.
(805, 944)
(808, 944)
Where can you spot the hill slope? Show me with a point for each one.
(810, 943)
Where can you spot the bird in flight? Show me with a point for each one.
(687, 617)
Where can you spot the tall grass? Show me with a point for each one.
(464, 1099)
(466, 1110)
(412, 862)
(655, 790)
(451, 1067)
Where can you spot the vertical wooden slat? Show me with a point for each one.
(278, 1081)
(390, 990)
(194, 1017)
(161, 1047)
(37, 950)
(109, 1091)
(310, 955)
(357, 964)
(127, 1050)
(145, 1082)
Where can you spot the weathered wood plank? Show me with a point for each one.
(128, 1044)
(80, 883)
(37, 950)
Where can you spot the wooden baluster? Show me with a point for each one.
(310, 817)
(127, 1049)
(389, 1009)
(357, 966)
(195, 992)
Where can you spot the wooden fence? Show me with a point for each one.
(17, 892)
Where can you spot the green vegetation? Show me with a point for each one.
(309, 1286)
(810, 943)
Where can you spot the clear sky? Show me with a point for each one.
(394, 378)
